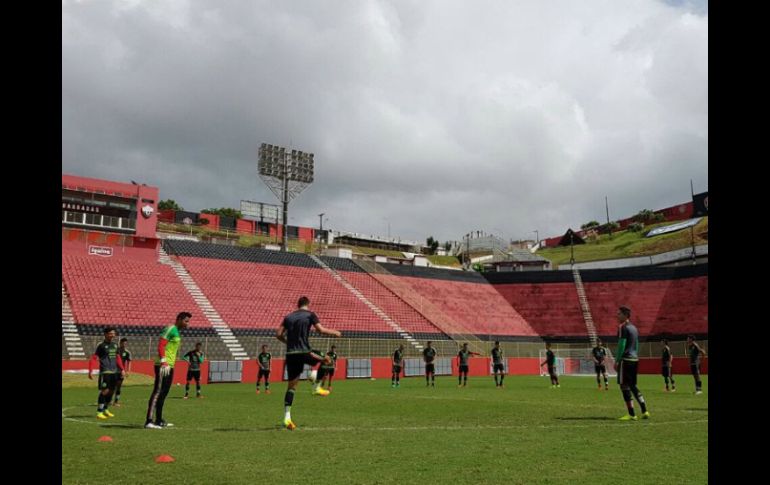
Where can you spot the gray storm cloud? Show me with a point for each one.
(436, 117)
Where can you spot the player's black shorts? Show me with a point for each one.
(430, 368)
(551, 370)
(194, 374)
(627, 372)
(498, 368)
(295, 363)
(263, 373)
(464, 369)
(695, 369)
(665, 371)
(600, 368)
(108, 381)
(327, 371)
(396, 369)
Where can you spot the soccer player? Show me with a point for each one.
(497, 363)
(667, 365)
(125, 356)
(599, 354)
(293, 331)
(462, 362)
(429, 356)
(398, 359)
(195, 358)
(263, 359)
(550, 359)
(110, 365)
(328, 367)
(168, 345)
(627, 364)
(696, 352)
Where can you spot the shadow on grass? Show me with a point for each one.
(248, 430)
(587, 418)
(123, 426)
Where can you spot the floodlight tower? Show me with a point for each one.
(287, 173)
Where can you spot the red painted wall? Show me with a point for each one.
(213, 221)
(681, 366)
(244, 226)
(143, 249)
(166, 215)
(305, 234)
(381, 368)
(143, 367)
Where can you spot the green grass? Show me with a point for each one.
(626, 244)
(445, 260)
(71, 380)
(366, 432)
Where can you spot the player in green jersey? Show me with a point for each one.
(168, 346)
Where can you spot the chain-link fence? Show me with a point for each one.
(143, 348)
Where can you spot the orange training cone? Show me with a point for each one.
(164, 459)
(104, 438)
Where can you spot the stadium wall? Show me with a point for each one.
(381, 368)
(77, 243)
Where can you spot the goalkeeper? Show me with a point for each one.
(164, 370)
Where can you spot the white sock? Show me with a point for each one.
(287, 413)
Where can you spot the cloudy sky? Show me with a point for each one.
(433, 117)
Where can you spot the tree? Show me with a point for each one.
(432, 244)
(447, 246)
(589, 225)
(169, 204)
(648, 216)
(223, 211)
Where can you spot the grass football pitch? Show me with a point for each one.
(367, 432)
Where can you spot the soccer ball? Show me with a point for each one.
(312, 376)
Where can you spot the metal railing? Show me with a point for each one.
(144, 347)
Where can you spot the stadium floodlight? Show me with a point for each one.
(287, 173)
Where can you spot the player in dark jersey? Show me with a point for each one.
(429, 356)
(195, 358)
(328, 368)
(696, 353)
(667, 365)
(599, 354)
(463, 358)
(110, 366)
(550, 360)
(627, 364)
(294, 331)
(498, 366)
(125, 356)
(263, 360)
(168, 346)
(398, 360)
